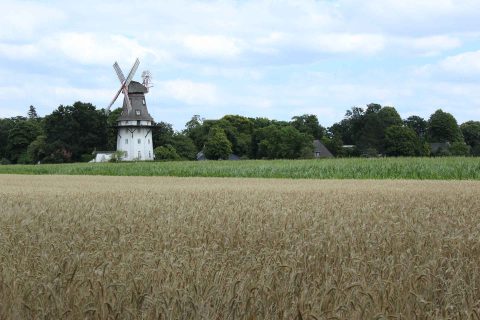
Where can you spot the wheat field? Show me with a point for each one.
(94, 247)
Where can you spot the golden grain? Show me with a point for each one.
(205, 248)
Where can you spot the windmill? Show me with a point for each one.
(124, 83)
(134, 125)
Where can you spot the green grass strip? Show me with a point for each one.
(448, 168)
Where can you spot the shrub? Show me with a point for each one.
(166, 152)
(117, 156)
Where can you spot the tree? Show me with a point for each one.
(162, 134)
(36, 150)
(365, 128)
(418, 124)
(166, 152)
(283, 142)
(334, 145)
(342, 131)
(195, 130)
(32, 113)
(352, 125)
(5, 126)
(239, 131)
(20, 135)
(75, 130)
(308, 123)
(389, 117)
(401, 141)
(471, 134)
(242, 124)
(459, 148)
(184, 146)
(376, 121)
(259, 123)
(217, 145)
(442, 127)
(112, 128)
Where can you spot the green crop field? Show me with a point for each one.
(451, 168)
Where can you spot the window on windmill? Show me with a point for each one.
(143, 101)
(137, 112)
(139, 141)
(126, 141)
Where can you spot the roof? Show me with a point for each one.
(139, 111)
(320, 151)
(201, 156)
(435, 146)
(136, 87)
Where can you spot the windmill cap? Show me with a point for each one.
(136, 87)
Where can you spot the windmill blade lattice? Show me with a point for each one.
(124, 83)
(119, 72)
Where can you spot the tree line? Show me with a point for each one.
(73, 133)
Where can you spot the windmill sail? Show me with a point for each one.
(124, 84)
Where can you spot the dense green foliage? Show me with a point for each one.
(401, 141)
(166, 152)
(217, 145)
(471, 134)
(74, 133)
(459, 168)
(277, 142)
(442, 127)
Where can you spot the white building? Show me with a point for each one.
(135, 125)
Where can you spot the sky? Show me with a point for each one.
(256, 58)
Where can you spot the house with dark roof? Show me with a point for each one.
(201, 156)
(436, 147)
(320, 151)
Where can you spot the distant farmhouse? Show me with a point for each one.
(320, 151)
(437, 147)
(201, 156)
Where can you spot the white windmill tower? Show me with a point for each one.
(135, 124)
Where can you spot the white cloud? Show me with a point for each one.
(348, 42)
(230, 73)
(89, 48)
(25, 20)
(7, 92)
(253, 56)
(460, 67)
(190, 92)
(72, 94)
(18, 51)
(413, 17)
(467, 63)
(411, 7)
(323, 42)
(427, 46)
(212, 46)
